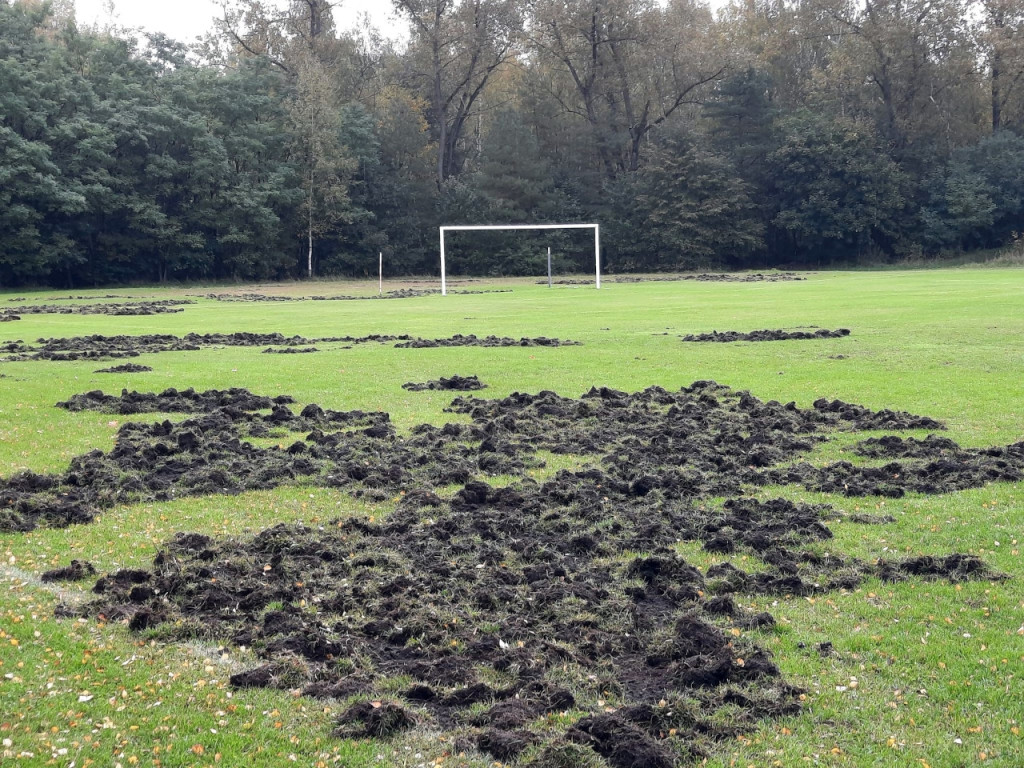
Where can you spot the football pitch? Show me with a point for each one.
(626, 564)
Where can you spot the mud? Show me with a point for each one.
(116, 347)
(75, 571)
(497, 606)
(171, 401)
(113, 347)
(896, 447)
(772, 277)
(289, 350)
(125, 368)
(454, 383)
(471, 340)
(400, 293)
(767, 335)
(160, 307)
(6, 317)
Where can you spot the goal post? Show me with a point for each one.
(479, 227)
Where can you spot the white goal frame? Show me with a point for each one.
(477, 227)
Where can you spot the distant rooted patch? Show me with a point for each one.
(767, 335)
(289, 350)
(768, 277)
(126, 368)
(157, 307)
(75, 571)
(454, 383)
(471, 340)
(113, 347)
(398, 293)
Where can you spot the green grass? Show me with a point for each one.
(924, 672)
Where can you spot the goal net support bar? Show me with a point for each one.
(479, 227)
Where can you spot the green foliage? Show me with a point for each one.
(835, 190)
(816, 133)
(699, 212)
(978, 199)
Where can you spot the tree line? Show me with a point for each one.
(770, 133)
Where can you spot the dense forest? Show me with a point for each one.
(768, 133)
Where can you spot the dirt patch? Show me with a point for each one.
(471, 340)
(497, 605)
(75, 571)
(115, 347)
(289, 350)
(896, 447)
(771, 277)
(7, 317)
(161, 307)
(954, 567)
(126, 368)
(171, 401)
(399, 293)
(767, 335)
(454, 383)
(374, 719)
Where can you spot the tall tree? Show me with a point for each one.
(626, 66)
(1002, 40)
(315, 117)
(914, 55)
(456, 47)
(837, 195)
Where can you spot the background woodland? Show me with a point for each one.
(765, 134)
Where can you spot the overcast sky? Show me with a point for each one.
(187, 19)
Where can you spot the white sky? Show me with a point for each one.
(187, 19)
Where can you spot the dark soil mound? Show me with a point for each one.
(171, 401)
(865, 419)
(6, 317)
(289, 350)
(375, 719)
(161, 307)
(398, 293)
(896, 447)
(955, 567)
(471, 340)
(126, 368)
(772, 277)
(455, 383)
(767, 335)
(113, 347)
(76, 571)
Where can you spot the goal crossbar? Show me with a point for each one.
(477, 227)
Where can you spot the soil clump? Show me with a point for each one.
(455, 383)
(75, 571)
(472, 340)
(289, 350)
(114, 347)
(398, 293)
(500, 604)
(156, 307)
(767, 335)
(125, 368)
(771, 277)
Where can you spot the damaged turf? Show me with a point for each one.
(114, 347)
(501, 605)
(454, 383)
(767, 335)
